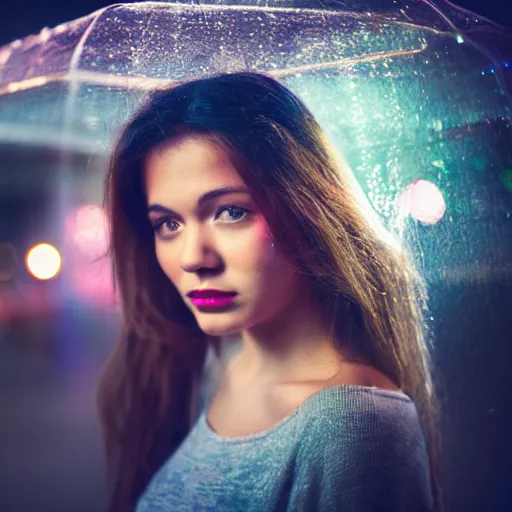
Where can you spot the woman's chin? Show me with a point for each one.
(211, 329)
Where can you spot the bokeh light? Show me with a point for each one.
(43, 261)
(87, 228)
(423, 201)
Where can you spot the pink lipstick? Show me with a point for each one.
(214, 302)
(211, 298)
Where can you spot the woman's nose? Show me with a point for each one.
(198, 251)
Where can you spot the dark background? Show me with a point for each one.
(20, 19)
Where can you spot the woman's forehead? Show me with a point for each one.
(191, 152)
(189, 158)
(187, 171)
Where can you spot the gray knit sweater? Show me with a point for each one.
(347, 448)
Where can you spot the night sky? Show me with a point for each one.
(21, 18)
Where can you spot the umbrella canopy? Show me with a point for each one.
(371, 79)
(409, 105)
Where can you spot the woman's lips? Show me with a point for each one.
(213, 302)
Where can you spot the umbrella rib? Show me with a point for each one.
(148, 83)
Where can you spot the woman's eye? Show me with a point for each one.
(235, 212)
(164, 226)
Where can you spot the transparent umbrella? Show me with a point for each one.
(372, 79)
(416, 108)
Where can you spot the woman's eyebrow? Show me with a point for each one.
(207, 196)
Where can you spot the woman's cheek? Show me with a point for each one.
(254, 250)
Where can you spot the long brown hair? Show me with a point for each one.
(314, 207)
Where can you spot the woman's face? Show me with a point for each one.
(222, 242)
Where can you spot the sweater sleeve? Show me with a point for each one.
(372, 458)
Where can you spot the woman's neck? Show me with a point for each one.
(296, 346)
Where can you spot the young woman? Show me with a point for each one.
(230, 215)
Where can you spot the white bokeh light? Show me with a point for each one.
(43, 261)
(423, 201)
